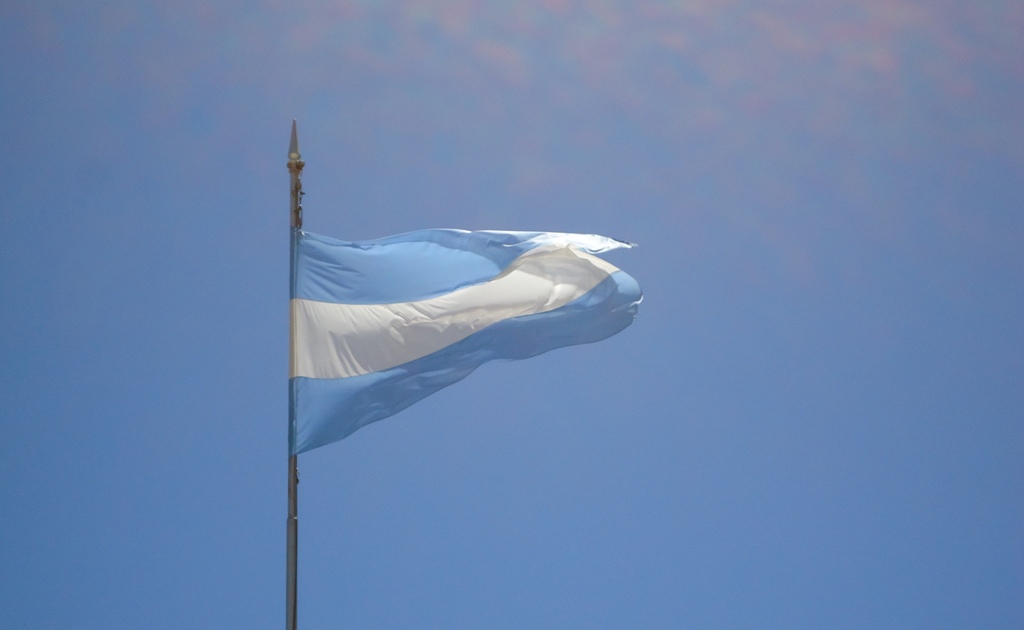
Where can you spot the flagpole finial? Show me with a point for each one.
(293, 147)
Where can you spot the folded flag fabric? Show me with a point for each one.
(378, 325)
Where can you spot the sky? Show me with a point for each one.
(816, 421)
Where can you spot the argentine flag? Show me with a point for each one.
(378, 325)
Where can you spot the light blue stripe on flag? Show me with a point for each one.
(379, 325)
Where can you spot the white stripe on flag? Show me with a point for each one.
(342, 340)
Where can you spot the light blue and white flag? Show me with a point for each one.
(378, 325)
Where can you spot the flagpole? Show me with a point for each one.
(295, 165)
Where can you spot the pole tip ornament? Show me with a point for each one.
(293, 147)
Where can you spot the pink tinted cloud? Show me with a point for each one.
(727, 79)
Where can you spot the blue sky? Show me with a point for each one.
(817, 420)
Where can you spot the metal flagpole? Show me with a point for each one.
(295, 165)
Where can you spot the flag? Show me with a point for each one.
(378, 325)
